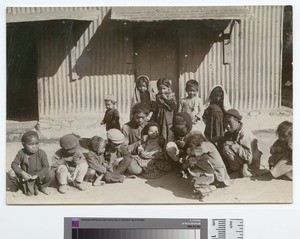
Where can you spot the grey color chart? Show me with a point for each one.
(137, 228)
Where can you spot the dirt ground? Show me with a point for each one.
(169, 189)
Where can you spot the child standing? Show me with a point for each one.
(216, 105)
(166, 106)
(30, 168)
(143, 95)
(111, 117)
(280, 162)
(69, 163)
(191, 104)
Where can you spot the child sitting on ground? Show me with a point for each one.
(151, 158)
(216, 105)
(111, 117)
(69, 163)
(95, 159)
(239, 147)
(153, 143)
(191, 104)
(280, 162)
(30, 168)
(204, 165)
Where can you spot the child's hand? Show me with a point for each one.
(275, 150)
(180, 143)
(234, 147)
(25, 176)
(34, 177)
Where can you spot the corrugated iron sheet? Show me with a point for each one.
(103, 54)
(28, 14)
(253, 77)
(150, 14)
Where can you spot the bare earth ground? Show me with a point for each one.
(168, 189)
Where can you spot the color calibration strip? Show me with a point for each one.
(137, 228)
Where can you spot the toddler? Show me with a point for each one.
(280, 162)
(191, 104)
(111, 117)
(166, 106)
(30, 168)
(69, 163)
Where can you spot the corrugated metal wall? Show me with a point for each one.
(253, 78)
(13, 10)
(104, 58)
(103, 64)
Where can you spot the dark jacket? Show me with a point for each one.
(33, 164)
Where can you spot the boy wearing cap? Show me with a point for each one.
(117, 155)
(111, 117)
(69, 163)
(238, 146)
(30, 168)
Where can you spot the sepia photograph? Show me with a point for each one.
(149, 105)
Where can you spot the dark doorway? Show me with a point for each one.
(156, 51)
(21, 56)
(287, 58)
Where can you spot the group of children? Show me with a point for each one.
(160, 137)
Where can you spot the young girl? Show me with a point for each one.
(216, 105)
(166, 106)
(280, 162)
(152, 158)
(111, 117)
(191, 104)
(142, 95)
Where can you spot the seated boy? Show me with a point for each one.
(30, 168)
(98, 166)
(238, 146)
(117, 155)
(69, 164)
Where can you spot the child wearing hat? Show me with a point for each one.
(280, 161)
(143, 95)
(216, 105)
(69, 163)
(30, 168)
(117, 155)
(111, 117)
(166, 107)
(239, 146)
(191, 104)
(98, 166)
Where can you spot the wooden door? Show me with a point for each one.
(156, 52)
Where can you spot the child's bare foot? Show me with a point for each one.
(98, 182)
(62, 189)
(45, 191)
